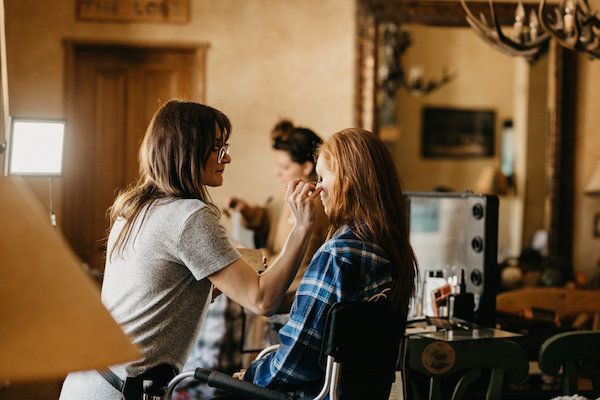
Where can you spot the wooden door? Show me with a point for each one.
(112, 93)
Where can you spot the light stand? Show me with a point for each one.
(50, 205)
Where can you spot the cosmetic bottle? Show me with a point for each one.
(462, 304)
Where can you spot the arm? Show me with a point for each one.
(317, 238)
(296, 362)
(262, 294)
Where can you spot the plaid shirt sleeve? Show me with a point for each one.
(296, 362)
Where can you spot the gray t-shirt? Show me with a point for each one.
(157, 287)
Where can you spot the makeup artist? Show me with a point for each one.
(167, 249)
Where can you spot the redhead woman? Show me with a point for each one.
(167, 250)
(367, 253)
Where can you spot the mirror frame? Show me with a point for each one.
(560, 166)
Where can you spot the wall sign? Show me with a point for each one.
(172, 11)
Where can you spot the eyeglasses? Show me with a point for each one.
(223, 150)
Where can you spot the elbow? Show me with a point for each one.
(264, 307)
(264, 300)
(272, 310)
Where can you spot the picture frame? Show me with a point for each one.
(457, 133)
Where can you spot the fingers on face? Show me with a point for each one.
(315, 193)
(305, 188)
(301, 191)
(305, 192)
(292, 186)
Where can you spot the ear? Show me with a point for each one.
(307, 168)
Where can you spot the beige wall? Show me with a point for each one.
(267, 59)
(586, 248)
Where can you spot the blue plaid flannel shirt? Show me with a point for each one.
(343, 269)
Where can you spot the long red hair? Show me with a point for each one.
(368, 197)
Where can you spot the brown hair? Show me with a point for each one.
(299, 142)
(175, 149)
(368, 197)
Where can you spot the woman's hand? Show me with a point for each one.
(237, 204)
(231, 204)
(300, 197)
(240, 374)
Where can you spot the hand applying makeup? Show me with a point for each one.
(300, 197)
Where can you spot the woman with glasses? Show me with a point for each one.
(367, 253)
(166, 248)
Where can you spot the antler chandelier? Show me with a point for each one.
(396, 40)
(571, 22)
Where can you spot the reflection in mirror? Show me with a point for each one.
(486, 130)
(454, 235)
(393, 75)
(542, 130)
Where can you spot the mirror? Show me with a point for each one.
(454, 139)
(488, 88)
(454, 237)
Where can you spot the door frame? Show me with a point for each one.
(70, 46)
